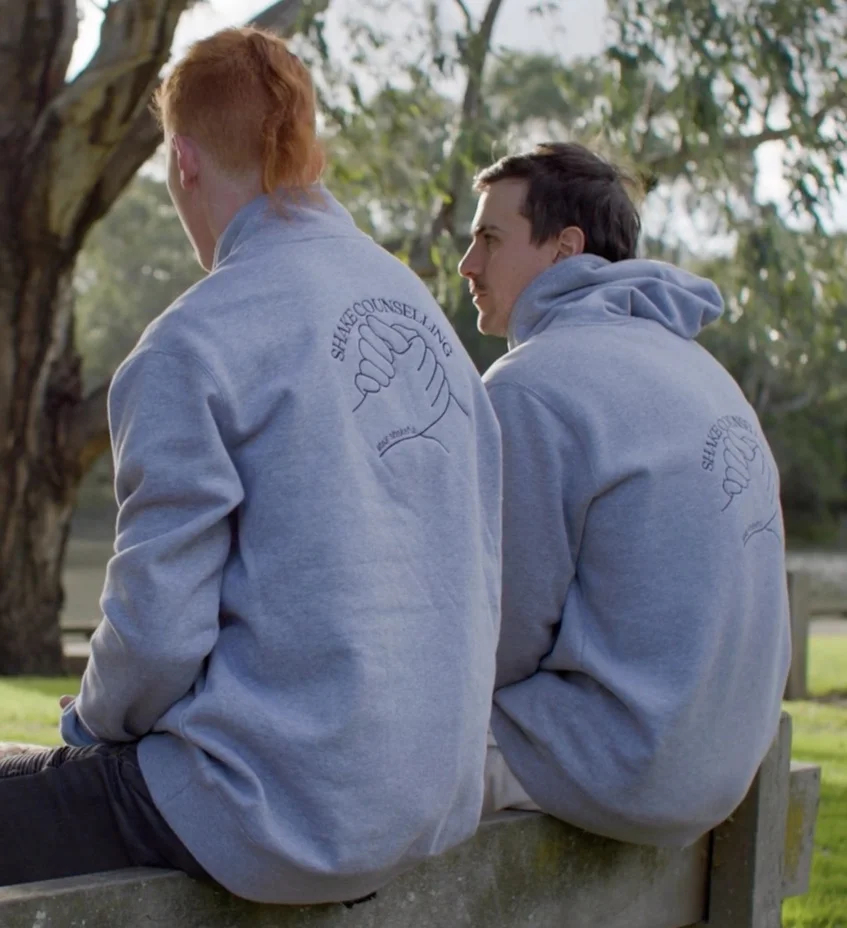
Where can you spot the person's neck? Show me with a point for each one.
(227, 201)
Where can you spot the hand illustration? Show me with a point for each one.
(404, 388)
(745, 464)
(748, 474)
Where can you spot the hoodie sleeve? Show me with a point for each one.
(540, 532)
(176, 487)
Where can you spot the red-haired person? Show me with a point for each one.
(290, 688)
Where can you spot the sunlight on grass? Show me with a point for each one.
(820, 735)
(828, 664)
(29, 708)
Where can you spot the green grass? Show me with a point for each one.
(29, 712)
(828, 665)
(820, 736)
(29, 708)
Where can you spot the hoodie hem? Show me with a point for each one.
(216, 839)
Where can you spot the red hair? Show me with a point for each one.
(248, 101)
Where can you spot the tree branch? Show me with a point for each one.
(144, 135)
(478, 47)
(91, 427)
(37, 43)
(287, 17)
(82, 126)
(673, 165)
(140, 137)
(100, 126)
(466, 13)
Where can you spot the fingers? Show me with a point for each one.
(369, 369)
(372, 346)
(365, 384)
(426, 366)
(405, 331)
(743, 448)
(394, 339)
(436, 385)
(65, 701)
(417, 352)
(735, 461)
(397, 351)
(376, 367)
(734, 481)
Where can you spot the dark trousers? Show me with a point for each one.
(69, 811)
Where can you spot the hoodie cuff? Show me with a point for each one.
(74, 731)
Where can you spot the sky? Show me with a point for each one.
(579, 29)
(580, 24)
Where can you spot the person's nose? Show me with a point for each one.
(469, 265)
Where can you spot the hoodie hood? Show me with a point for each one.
(586, 289)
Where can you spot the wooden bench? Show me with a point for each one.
(805, 603)
(76, 645)
(520, 871)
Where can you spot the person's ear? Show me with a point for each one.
(187, 161)
(570, 242)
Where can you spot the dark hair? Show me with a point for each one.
(572, 186)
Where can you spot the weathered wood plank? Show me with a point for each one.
(804, 792)
(799, 588)
(745, 884)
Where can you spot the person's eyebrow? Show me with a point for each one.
(485, 227)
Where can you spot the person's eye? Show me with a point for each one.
(489, 239)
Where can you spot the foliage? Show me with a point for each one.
(702, 83)
(135, 263)
(784, 338)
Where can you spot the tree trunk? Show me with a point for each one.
(41, 461)
(69, 149)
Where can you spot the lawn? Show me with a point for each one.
(29, 708)
(29, 712)
(820, 735)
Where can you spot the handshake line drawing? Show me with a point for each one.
(748, 472)
(397, 363)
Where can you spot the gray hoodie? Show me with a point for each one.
(301, 616)
(645, 633)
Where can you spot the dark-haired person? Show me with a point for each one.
(645, 639)
(291, 686)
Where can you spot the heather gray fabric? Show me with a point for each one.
(302, 613)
